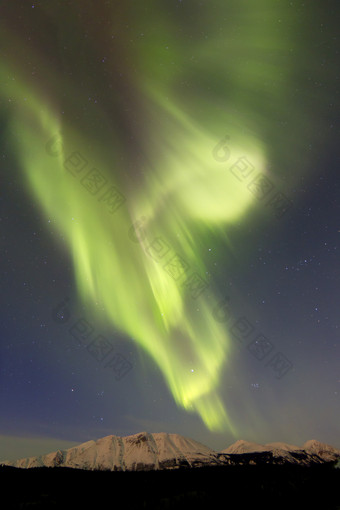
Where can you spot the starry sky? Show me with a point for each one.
(170, 221)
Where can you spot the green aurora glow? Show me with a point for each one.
(183, 194)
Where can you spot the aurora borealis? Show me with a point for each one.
(152, 145)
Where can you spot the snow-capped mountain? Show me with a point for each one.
(141, 451)
(145, 451)
(311, 452)
(325, 451)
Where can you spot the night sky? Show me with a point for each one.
(170, 221)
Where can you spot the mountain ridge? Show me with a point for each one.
(162, 450)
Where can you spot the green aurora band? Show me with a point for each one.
(177, 190)
(139, 296)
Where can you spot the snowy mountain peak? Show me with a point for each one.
(324, 450)
(242, 446)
